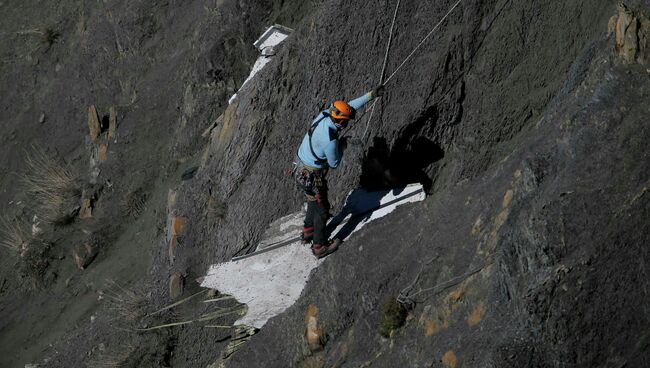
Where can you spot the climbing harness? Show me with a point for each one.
(390, 38)
(311, 180)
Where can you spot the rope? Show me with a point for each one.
(383, 68)
(372, 111)
(390, 39)
(422, 42)
(406, 298)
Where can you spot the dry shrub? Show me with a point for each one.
(32, 252)
(134, 203)
(127, 305)
(15, 236)
(53, 186)
(35, 261)
(115, 358)
(50, 36)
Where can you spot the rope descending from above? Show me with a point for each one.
(390, 42)
(383, 68)
(422, 42)
(390, 39)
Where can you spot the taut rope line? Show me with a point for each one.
(422, 42)
(383, 68)
(390, 39)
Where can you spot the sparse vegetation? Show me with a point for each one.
(134, 203)
(53, 186)
(126, 305)
(15, 236)
(394, 316)
(50, 36)
(238, 310)
(113, 358)
(35, 260)
(32, 252)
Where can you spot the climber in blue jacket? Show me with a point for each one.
(320, 150)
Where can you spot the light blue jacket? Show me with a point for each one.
(324, 140)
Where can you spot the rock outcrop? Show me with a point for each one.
(632, 32)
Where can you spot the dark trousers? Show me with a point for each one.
(317, 213)
(314, 184)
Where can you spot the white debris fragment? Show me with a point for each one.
(36, 226)
(272, 37)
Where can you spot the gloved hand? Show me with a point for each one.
(378, 91)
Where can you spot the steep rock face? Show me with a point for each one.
(529, 135)
(482, 78)
(538, 262)
(526, 127)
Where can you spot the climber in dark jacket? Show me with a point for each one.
(322, 149)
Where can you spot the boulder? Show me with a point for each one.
(313, 333)
(175, 285)
(174, 230)
(86, 210)
(84, 254)
(631, 31)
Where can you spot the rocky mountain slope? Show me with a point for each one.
(526, 122)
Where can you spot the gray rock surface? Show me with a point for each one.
(522, 119)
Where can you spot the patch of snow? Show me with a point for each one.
(271, 282)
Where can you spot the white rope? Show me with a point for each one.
(383, 68)
(390, 41)
(372, 111)
(422, 42)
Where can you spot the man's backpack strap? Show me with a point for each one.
(319, 160)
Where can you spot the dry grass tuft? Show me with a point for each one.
(32, 252)
(50, 36)
(14, 235)
(127, 305)
(134, 203)
(53, 186)
(115, 358)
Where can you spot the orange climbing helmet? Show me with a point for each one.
(341, 110)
